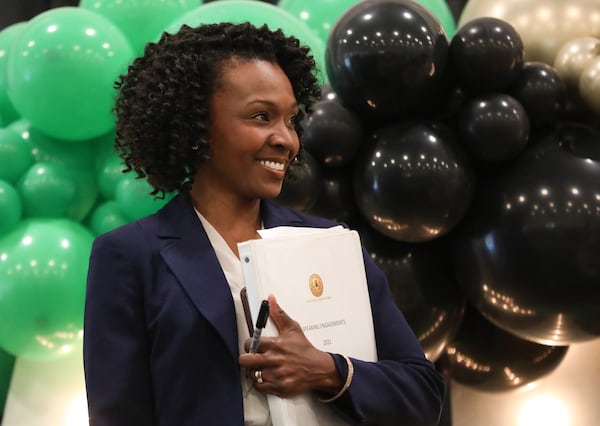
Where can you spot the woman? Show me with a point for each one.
(213, 113)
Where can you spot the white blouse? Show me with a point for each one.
(256, 410)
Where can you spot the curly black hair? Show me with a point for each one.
(162, 105)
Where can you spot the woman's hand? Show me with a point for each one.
(289, 364)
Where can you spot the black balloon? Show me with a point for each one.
(542, 92)
(385, 58)
(413, 182)
(336, 197)
(486, 358)
(527, 254)
(332, 133)
(486, 55)
(422, 286)
(301, 186)
(493, 127)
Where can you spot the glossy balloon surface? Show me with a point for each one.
(589, 84)
(140, 20)
(489, 359)
(486, 55)
(528, 257)
(106, 217)
(321, 15)
(413, 182)
(42, 287)
(336, 197)
(257, 13)
(133, 197)
(422, 286)
(11, 208)
(7, 35)
(386, 58)
(109, 175)
(301, 186)
(544, 25)
(61, 70)
(494, 127)
(318, 15)
(572, 57)
(332, 133)
(15, 155)
(542, 92)
(47, 190)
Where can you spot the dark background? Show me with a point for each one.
(13, 11)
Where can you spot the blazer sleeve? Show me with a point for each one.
(115, 346)
(402, 387)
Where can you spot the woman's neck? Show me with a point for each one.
(235, 220)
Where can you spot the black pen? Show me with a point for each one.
(261, 321)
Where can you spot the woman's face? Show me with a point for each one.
(252, 137)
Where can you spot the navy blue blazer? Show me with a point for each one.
(160, 335)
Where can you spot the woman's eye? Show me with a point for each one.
(293, 120)
(262, 116)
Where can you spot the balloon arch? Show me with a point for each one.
(467, 154)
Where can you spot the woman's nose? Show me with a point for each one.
(285, 136)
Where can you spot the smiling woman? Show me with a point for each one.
(213, 113)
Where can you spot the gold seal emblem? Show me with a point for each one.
(316, 285)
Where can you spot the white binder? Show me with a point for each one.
(318, 278)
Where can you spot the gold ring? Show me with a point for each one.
(258, 376)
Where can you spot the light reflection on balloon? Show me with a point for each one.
(589, 84)
(428, 296)
(542, 92)
(487, 358)
(486, 55)
(573, 56)
(385, 59)
(140, 20)
(494, 127)
(15, 155)
(413, 182)
(528, 255)
(544, 25)
(43, 265)
(61, 71)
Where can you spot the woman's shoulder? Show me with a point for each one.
(130, 233)
(279, 214)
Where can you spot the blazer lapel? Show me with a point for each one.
(189, 254)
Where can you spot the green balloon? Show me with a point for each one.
(441, 10)
(319, 15)
(106, 217)
(61, 71)
(133, 197)
(43, 272)
(104, 147)
(10, 207)
(82, 155)
(54, 190)
(140, 20)
(7, 35)
(15, 155)
(257, 13)
(109, 176)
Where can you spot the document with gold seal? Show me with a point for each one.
(318, 277)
